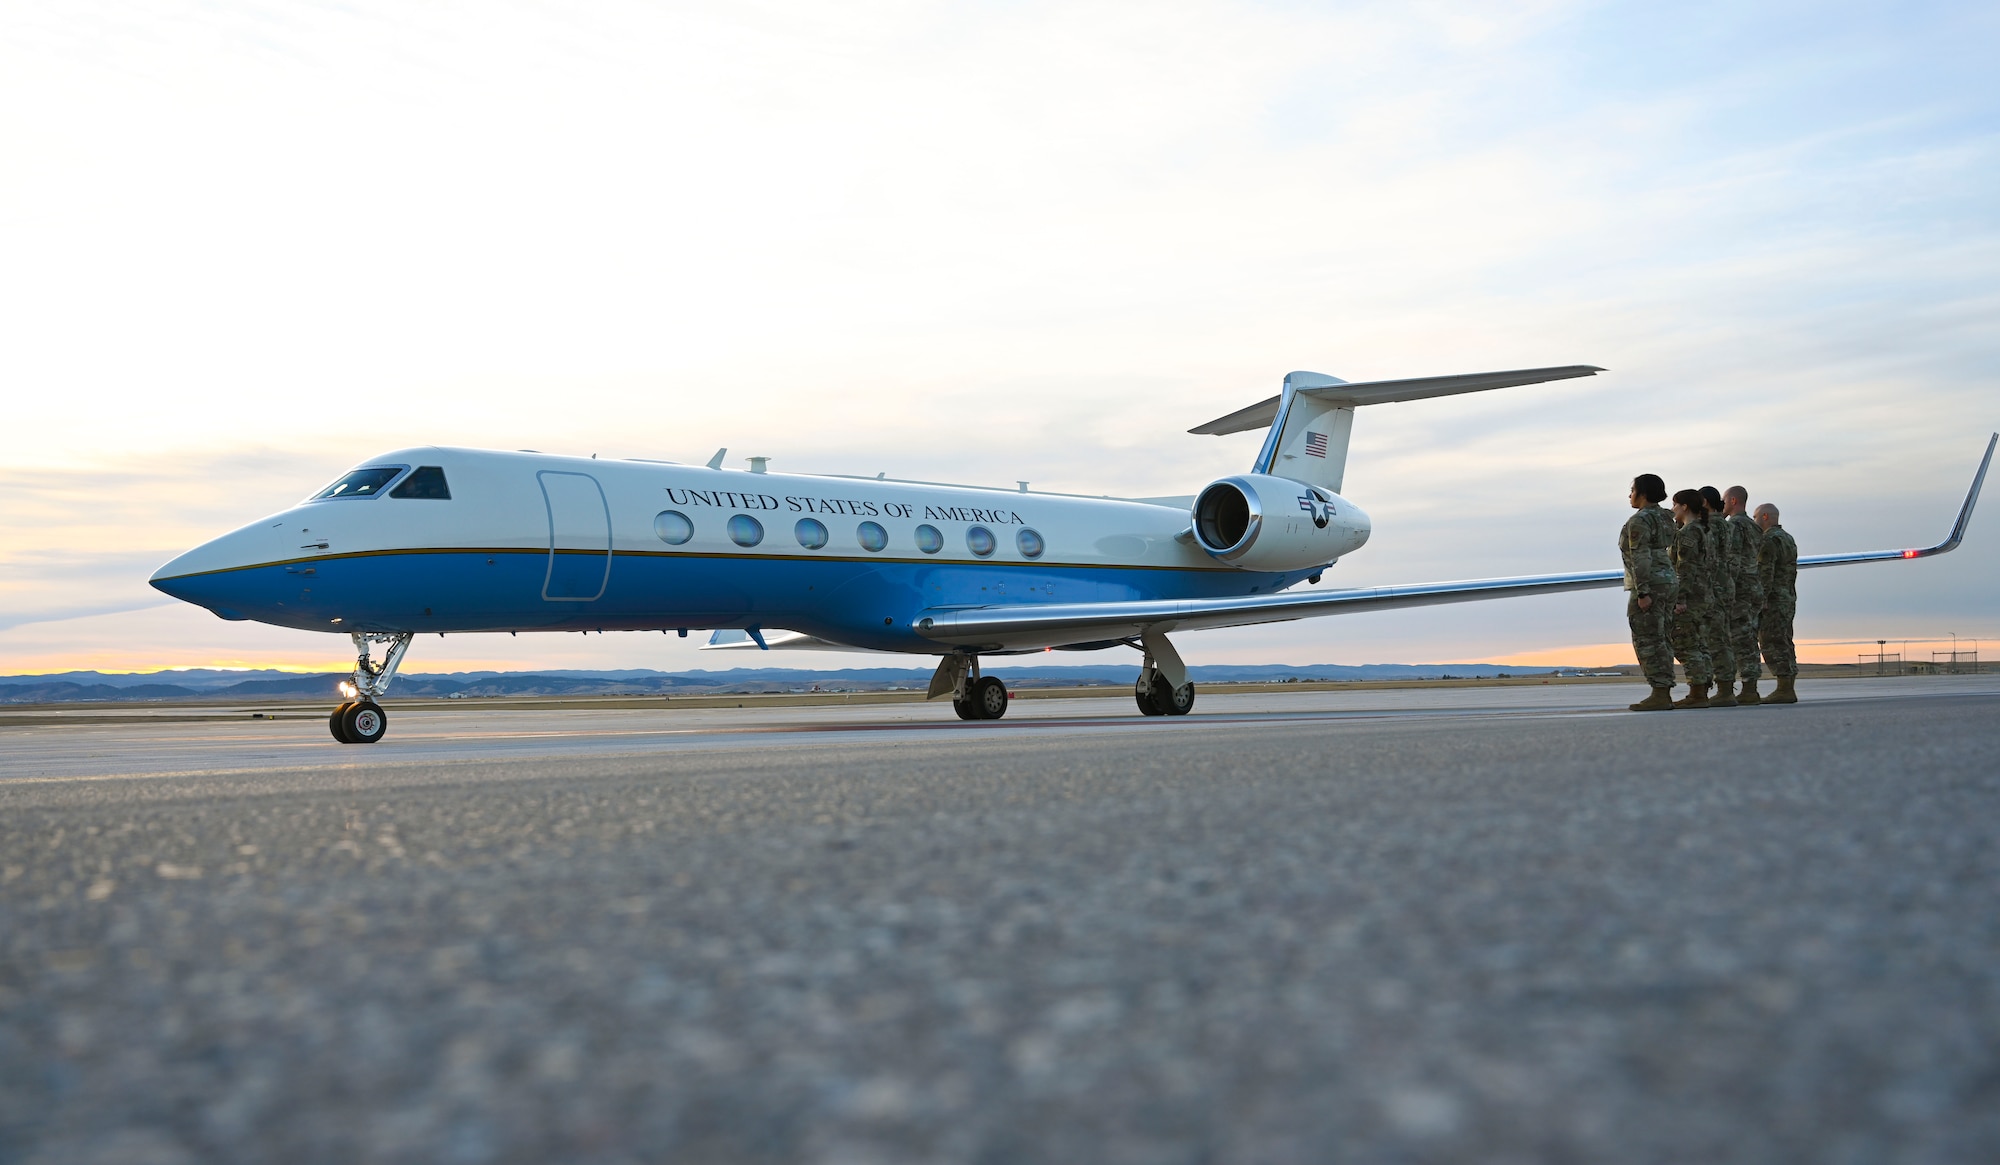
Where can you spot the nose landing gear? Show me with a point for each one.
(359, 722)
(362, 720)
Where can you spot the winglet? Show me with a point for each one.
(1951, 540)
(1957, 534)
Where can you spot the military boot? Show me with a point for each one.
(1724, 697)
(1784, 694)
(1749, 694)
(1697, 697)
(1662, 700)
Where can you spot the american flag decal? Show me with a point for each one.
(1315, 444)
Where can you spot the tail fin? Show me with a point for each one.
(1312, 418)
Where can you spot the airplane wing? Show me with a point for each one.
(1029, 626)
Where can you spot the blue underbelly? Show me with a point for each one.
(866, 603)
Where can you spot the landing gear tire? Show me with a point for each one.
(988, 698)
(335, 722)
(1159, 699)
(364, 722)
(965, 709)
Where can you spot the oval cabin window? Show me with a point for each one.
(673, 527)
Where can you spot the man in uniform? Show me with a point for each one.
(1691, 602)
(1646, 544)
(1749, 602)
(1778, 567)
(1721, 561)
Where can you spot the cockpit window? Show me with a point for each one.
(427, 482)
(362, 483)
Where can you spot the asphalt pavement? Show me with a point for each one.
(1494, 925)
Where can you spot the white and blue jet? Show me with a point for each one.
(442, 540)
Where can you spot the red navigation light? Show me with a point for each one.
(1910, 553)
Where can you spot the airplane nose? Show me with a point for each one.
(197, 576)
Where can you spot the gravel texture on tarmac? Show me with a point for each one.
(1511, 933)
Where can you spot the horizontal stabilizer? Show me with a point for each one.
(1381, 392)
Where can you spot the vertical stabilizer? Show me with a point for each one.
(1308, 437)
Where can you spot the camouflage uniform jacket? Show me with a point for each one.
(1778, 565)
(1721, 570)
(1692, 564)
(1747, 562)
(1647, 545)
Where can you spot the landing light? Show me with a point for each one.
(348, 689)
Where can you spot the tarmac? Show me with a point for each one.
(1467, 924)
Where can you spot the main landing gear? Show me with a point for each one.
(973, 696)
(361, 720)
(1163, 688)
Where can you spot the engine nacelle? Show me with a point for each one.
(1264, 523)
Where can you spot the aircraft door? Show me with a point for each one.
(579, 537)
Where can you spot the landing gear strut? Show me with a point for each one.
(361, 720)
(973, 696)
(1163, 688)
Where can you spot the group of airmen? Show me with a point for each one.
(1714, 586)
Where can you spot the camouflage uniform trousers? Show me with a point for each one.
(1774, 635)
(1652, 639)
(1690, 640)
(1715, 630)
(1743, 615)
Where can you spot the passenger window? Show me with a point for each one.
(362, 483)
(427, 482)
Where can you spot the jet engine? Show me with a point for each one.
(1259, 522)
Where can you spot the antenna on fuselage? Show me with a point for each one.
(715, 462)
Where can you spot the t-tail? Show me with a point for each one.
(1311, 419)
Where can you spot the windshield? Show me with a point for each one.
(426, 481)
(362, 483)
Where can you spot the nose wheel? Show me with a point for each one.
(358, 722)
(362, 720)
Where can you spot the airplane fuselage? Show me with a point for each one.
(534, 542)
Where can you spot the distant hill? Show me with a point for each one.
(214, 684)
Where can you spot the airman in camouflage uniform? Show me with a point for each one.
(1722, 599)
(1692, 552)
(1778, 566)
(1646, 543)
(1749, 604)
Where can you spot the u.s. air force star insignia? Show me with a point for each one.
(1318, 505)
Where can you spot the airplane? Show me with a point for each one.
(447, 541)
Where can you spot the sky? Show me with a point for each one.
(245, 245)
